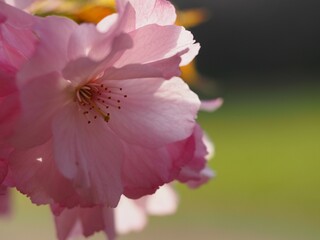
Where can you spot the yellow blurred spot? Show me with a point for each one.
(92, 13)
(189, 73)
(192, 17)
(80, 11)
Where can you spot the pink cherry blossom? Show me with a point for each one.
(100, 105)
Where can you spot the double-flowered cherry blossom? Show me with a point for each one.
(101, 108)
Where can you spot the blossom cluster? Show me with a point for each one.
(94, 119)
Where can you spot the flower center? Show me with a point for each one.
(96, 100)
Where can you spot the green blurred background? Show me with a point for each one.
(265, 66)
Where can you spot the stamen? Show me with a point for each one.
(96, 96)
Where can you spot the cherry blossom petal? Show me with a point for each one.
(149, 116)
(3, 169)
(162, 41)
(15, 16)
(211, 105)
(92, 220)
(129, 216)
(88, 154)
(163, 202)
(82, 40)
(145, 170)
(196, 173)
(107, 23)
(210, 146)
(67, 224)
(10, 107)
(191, 170)
(51, 52)
(99, 41)
(161, 12)
(7, 82)
(17, 43)
(165, 68)
(91, 68)
(87, 221)
(22, 4)
(205, 175)
(40, 99)
(17, 40)
(43, 182)
(123, 21)
(36, 175)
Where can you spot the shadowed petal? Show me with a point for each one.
(165, 68)
(145, 169)
(196, 173)
(51, 52)
(88, 154)
(85, 221)
(40, 100)
(35, 174)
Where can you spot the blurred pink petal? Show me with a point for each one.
(84, 221)
(204, 176)
(132, 215)
(129, 215)
(211, 105)
(163, 202)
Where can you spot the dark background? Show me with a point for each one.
(258, 44)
